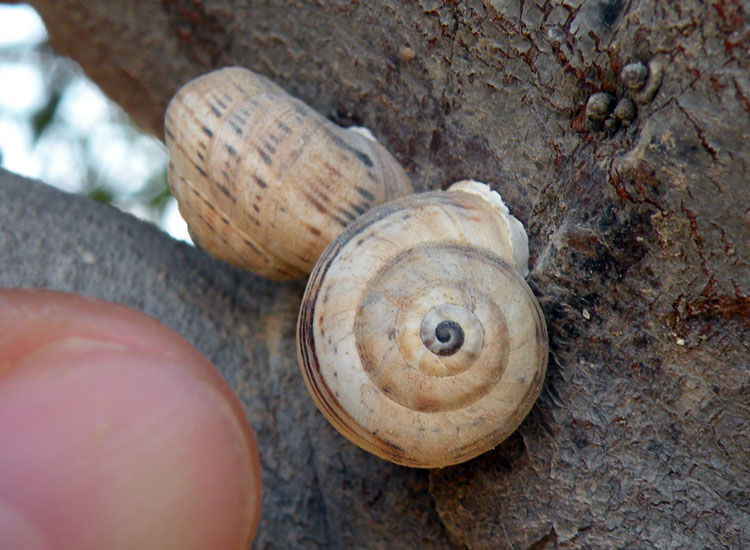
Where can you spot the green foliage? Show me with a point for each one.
(42, 119)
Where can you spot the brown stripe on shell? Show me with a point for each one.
(287, 141)
(235, 127)
(252, 246)
(323, 210)
(347, 214)
(266, 255)
(266, 158)
(276, 139)
(364, 158)
(324, 398)
(208, 224)
(332, 169)
(269, 147)
(186, 154)
(309, 362)
(238, 118)
(365, 194)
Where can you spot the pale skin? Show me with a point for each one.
(116, 433)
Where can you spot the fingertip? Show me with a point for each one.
(16, 531)
(120, 444)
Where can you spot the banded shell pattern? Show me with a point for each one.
(418, 337)
(263, 181)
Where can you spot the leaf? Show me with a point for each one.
(42, 119)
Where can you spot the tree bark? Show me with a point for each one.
(638, 235)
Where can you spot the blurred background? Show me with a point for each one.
(57, 126)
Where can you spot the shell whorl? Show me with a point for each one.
(262, 180)
(418, 338)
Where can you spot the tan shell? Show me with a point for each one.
(263, 181)
(418, 338)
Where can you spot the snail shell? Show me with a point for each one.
(263, 181)
(418, 337)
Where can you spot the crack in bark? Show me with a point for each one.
(698, 130)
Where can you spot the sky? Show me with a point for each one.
(89, 143)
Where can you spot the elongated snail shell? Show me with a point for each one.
(418, 337)
(263, 181)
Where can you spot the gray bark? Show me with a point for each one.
(639, 252)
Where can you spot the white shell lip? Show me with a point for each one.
(519, 240)
(362, 131)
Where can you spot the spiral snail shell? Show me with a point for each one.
(263, 181)
(418, 337)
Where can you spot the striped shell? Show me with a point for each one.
(263, 181)
(418, 337)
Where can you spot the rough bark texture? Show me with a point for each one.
(639, 248)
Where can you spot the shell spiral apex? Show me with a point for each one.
(263, 181)
(418, 337)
